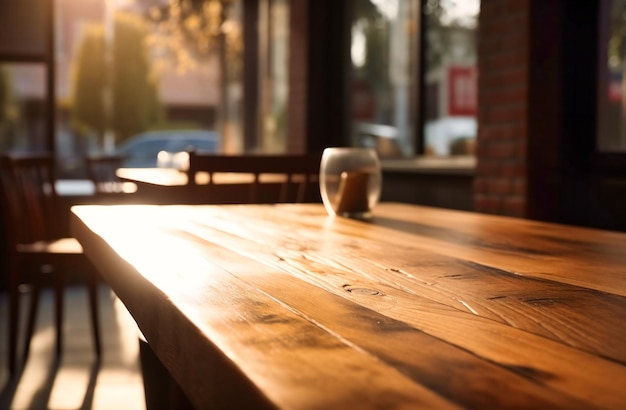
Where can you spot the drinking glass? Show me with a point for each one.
(350, 181)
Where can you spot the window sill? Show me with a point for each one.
(459, 165)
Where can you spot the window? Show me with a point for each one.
(273, 74)
(127, 67)
(24, 77)
(450, 77)
(121, 68)
(612, 78)
(403, 105)
(383, 55)
(23, 112)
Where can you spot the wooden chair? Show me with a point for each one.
(101, 170)
(272, 178)
(36, 249)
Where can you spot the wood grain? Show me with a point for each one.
(282, 306)
(538, 306)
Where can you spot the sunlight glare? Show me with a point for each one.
(69, 379)
(36, 369)
(153, 249)
(128, 330)
(116, 390)
(462, 12)
(388, 8)
(358, 50)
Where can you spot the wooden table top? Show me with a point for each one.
(153, 176)
(281, 306)
(171, 177)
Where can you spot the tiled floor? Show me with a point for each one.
(77, 382)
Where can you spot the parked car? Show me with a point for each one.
(164, 148)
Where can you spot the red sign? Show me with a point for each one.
(462, 91)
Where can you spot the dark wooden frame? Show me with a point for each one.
(47, 59)
(300, 173)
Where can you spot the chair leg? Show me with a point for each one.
(32, 319)
(59, 297)
(14, 314)
(92, 288)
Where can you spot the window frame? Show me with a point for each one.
(608, 163)
(48, 61)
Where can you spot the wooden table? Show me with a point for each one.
(153, 176)
(254, 306)
(170, 177)
(170, 186)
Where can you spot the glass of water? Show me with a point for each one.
(350, 181)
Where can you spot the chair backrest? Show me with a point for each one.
(295, 176)
(8, 223)
(101, 170)
(30, 193)
(9, 202)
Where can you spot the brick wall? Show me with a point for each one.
(500, 185)
(537, 91)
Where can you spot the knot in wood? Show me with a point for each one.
(362, 291)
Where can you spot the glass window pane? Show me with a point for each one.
(273, 74)
(383, 82)
(22, 107)
(231, 113)
(450, 77)
(612, 81)
(130, 67)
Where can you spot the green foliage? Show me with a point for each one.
(440, 31)
(135, 94)
(617, 27)
(4, 94)
(128, 78)
(88, 103)
(7, 107)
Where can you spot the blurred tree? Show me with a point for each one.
(88, 113)
(616, 65)
(5, 94)
(135, 105)
(617, 27)
(442, 19)
(187, 32)
(192, 34)
(7, 109)
(121, 95)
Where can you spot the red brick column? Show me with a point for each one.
(503, 49)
